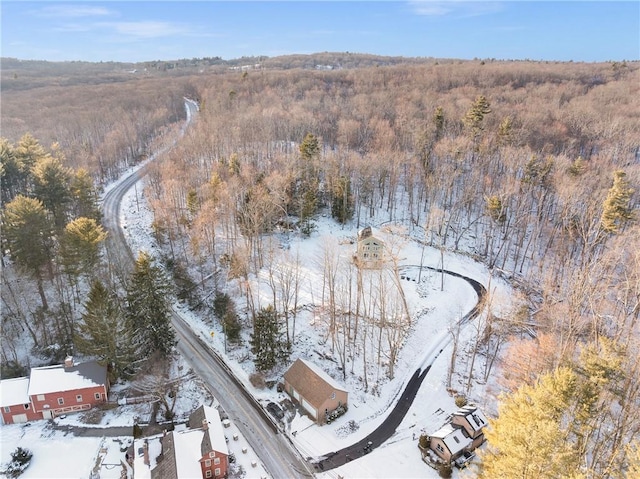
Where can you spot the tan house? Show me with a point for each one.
(317, 392)
(370, 252)
(473, 421)
(449, 442)
(198, 452)
(456, 440)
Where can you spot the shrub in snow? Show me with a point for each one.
(444, 470)
(20, 459)
(257, 380)
(461, 401)
(423, 442)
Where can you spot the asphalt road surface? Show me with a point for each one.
(399, 411)
(275, 451)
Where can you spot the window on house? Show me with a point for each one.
(97, 395)
(79, 398)
(216, 461)
(60, 401)
(217, 471)
(456, 439)
(27, 406)
(440, 448)
(207, 474)
(207, 463)
(40, 397)
(7, 409)
(212, 454)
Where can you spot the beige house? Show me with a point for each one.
(317, 392)
(473, 421)
(370, 252)
(449, 442)
(456, 440)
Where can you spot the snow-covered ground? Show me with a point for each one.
(434, 311)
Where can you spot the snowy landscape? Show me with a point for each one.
(436, 304)
(336, 273)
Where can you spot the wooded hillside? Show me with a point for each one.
(532, 168)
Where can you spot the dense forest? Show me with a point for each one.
(532, 168)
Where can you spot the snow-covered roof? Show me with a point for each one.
(474, 417)
(57, 378)
(187, 452)
(14, 392)
(216, 432)
(453, 437)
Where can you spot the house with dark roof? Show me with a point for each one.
(370, 252)
(317, 392)
(197, 452)
(54, 390)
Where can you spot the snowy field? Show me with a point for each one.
(58, 454)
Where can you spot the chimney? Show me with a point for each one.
(68, 362)
(145, 449)
(205, 425)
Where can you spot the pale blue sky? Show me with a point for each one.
(165, 30)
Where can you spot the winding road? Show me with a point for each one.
(399, 411)
(275, 450)
(276, 453)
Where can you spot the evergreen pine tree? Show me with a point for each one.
(84, 196)
(28, 152)
(193, 203)
(633, 454)
(309, 205)
(496, 209)
(148, 309)
(342, 202)
(266, 341)
(617, 211)
(52, 185)
(103, 331)
(505, 132)
(80, 246)
(225, 309)
(474, 118)
(438, 122)
(27, 230)
(11, 178)
(309, 148)
(528, 440)
(577, 167)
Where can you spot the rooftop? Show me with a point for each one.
(57, 378)
(14, 392)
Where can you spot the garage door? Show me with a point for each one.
(309, 408)
(18, 418)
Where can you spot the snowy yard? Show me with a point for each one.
(434, 308)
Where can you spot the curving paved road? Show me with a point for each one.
(399, 411)
(275, 451)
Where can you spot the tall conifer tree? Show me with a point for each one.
(148, 308)
(616, 210)
(103, 331)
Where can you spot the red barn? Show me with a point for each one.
(54, 390)
(15, 403)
